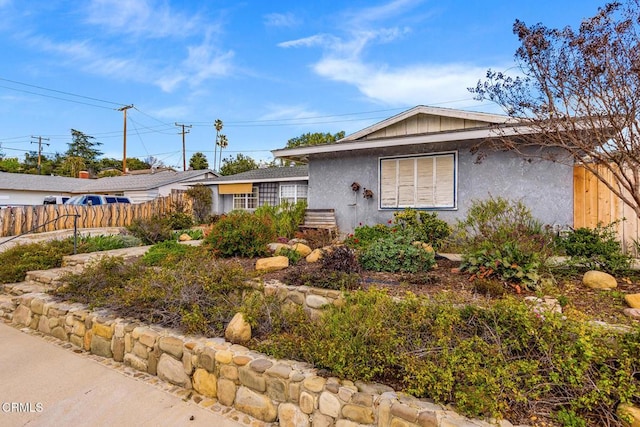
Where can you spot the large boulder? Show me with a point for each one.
(314, 256)
(633, 300)
(302, 249)
(279, 262)
(599, 280)
(238, 330)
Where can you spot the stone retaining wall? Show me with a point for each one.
(287, 392)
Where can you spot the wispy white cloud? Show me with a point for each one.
(288, 20)
(411, 85)
(288, 112)
(344, 59)
(149, 18)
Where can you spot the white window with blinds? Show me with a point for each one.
(293, 192)
(425, 182)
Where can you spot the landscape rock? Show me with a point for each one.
(634, 313)
(276, 246)
(256, 405)
(302, 249)
(184, 237)
(273, 263)
(633, 300)
(238, 331)
(291, 416)
(599, 280)
(314, 256)
(172, 370)
(205, 383)
(629, 412)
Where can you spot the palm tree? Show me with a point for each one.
(223, 143)
(217, 124)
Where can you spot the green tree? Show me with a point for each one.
(315, 138)
(198, 161)
(72, 165)
(83, 146)
(135, 164)
(577, 94)
(11, 164)
(241, 163)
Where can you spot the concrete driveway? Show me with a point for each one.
(42, 384)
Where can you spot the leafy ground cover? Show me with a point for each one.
(454, 332)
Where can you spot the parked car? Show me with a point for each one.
(55, 200)
(96, 200)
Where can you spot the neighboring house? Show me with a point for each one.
(254, 188)
(25, 189)
(422, 159)
(144, 187)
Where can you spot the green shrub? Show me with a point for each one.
(241, 234)
(396, 253)
(178, 220)
(364, 235)
(507, 262)
(166, 253)
(196, 293)
(423, 226)
(16, 261)
(150, 230)
(106, 243)
(595, 249)
(293, 255)
(354, 340)
(97, 284)
(286, 217)
(502, 239)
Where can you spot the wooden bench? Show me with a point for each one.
(320, 219)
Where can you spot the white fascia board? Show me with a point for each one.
(253, 181)
(402, 141)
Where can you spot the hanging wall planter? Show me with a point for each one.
(355, 186)
(367, 194)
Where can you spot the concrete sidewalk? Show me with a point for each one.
(42, 384)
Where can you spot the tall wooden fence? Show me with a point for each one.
(594, 203)
(40, 218)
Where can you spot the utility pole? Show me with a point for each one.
(39, 142)
(184, 132)
(124, 140)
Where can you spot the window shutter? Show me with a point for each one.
(444, 179)
(388, 184)
(425, 182)
(406, 182)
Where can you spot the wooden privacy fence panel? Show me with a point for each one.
(23, 219)
(594, 203)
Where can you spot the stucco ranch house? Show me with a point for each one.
(421, 159)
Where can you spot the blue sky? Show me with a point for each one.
(270, 70)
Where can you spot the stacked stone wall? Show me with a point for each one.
(286, 392)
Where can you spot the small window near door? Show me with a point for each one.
(246, 201)
(293, 193)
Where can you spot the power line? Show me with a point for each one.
(56, 97)
(60, 91)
